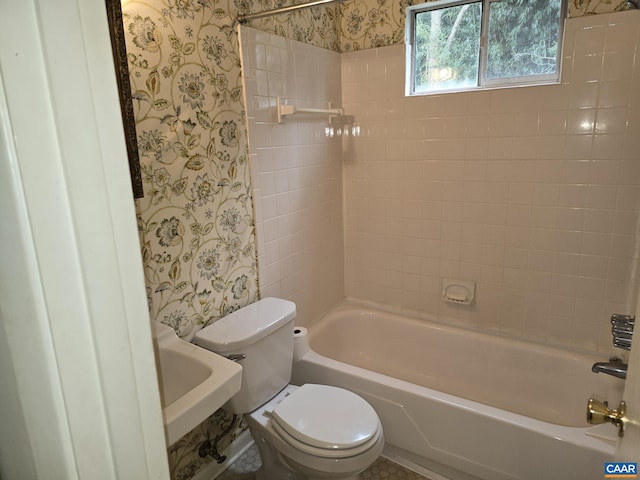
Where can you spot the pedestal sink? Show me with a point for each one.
(194, 382)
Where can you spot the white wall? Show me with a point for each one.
(79, 391)
(296, 172)
(532, 192)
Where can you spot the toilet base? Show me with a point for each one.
(315, 475)
(276, 466)
(276, 472)
(272, 467)
(282, 461)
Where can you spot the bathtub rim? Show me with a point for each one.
(599, 437)
(458, 326)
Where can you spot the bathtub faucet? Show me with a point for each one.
(614, 367)
(622, 332)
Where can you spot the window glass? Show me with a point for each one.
(466, 44)
(448, 47)
(523, 38)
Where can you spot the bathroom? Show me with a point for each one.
(383, 258)
(531, 192)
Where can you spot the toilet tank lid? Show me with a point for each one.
(247, 325)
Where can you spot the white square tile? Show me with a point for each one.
(494, 184)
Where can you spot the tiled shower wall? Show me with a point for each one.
(296, 172)
(532, 192)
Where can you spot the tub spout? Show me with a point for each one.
(613, 367)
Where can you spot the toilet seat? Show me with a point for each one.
(326, 453)
(327, 421)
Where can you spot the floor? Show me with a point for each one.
(244, 468)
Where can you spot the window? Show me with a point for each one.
(467, 44)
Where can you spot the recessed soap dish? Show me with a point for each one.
(461, 292)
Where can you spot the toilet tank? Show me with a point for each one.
(263, 333)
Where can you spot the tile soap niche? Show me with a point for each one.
(457, 291)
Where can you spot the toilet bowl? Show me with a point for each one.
(307, 432)
(318, 431)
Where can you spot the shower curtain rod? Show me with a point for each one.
(247, 17)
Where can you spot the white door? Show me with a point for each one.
(79, 394)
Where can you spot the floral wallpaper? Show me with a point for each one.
(196, 217)
(378, 23)
(578, 8)
(196, 220)
(371, 24)
(318, 26)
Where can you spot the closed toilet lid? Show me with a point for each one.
(327, 417)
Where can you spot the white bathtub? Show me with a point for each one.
(466, 404)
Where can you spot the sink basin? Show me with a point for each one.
(194, 382)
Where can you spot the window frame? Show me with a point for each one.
(482, 82)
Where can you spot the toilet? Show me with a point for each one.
(308, 432)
